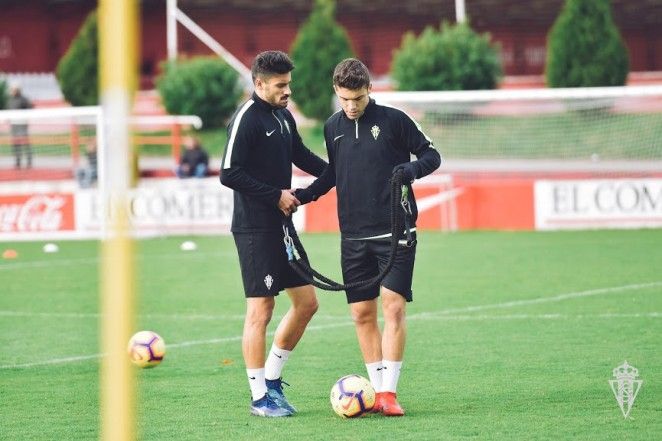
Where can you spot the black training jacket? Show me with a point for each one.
(362, 154)
(263, 143)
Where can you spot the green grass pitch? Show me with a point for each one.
(510, 336)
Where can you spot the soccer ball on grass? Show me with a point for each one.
(352, 396)
(146, 349)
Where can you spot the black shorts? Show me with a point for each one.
(264, 267)
(364, 259)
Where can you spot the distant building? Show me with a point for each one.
(35, 33)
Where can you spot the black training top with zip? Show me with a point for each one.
(263, 143)
(362, 154)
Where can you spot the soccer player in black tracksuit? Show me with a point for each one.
(366, 143)
(263, 142)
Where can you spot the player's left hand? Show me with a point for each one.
(408, 171)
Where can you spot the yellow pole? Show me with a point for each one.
(118, 41)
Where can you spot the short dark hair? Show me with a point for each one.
(269, 63)
(351, 74)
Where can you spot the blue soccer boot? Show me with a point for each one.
(275, 391)
(267, 407)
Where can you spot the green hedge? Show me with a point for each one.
(585, 48)
(453, 57)
(319, 46)
(77, 71)
(203, 86)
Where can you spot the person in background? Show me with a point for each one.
(19, 130)
(87, 176)
(194, 162)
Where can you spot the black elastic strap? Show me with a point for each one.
(293, 244)
(404, 202)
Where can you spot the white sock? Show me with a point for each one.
(390, 375)
(275, 362)
(256, 382)
(375, 374)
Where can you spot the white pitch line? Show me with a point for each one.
(337, 325)
(95, 260)
(239, 337)
(191, 316)
(45, 263)
(483, 317)
(443, 314)
(194, 316)
(51, 361)
(50, 314)
(169, 346)
(557, 298)
(95, 315)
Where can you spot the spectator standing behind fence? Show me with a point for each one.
(86, 176)
(19, 129)
(194, 161)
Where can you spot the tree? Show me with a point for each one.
(585, 48)
(77, 71)
(203, 86)
(451, 58)
(3, 93)
(320, 45)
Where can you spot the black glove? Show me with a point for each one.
(304, 195)
(409, 171)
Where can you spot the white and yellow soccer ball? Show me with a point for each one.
(352, 396)
(146, 349)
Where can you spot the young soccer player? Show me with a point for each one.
(366, 144)
(262, 145)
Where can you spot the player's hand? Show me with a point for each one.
(409, 171)
(304, 195)
(288, 203)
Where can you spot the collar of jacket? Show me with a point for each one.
(368, 109)
(263, 104)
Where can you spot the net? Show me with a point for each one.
(64, 143)
(63, 191)
(615, 131)
(46, 144)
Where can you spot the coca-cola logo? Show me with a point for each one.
(35, 213)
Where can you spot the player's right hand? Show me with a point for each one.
(288, 203)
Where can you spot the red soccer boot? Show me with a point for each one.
(377, 408)
(387, 404)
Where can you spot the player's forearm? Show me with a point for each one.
(427, 161)
(309, 162)
(238, 180)
(318, 188)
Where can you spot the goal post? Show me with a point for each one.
(607, 131)
(118, 67)
(174, 15)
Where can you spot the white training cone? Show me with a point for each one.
(188, 246)
(51, 248)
